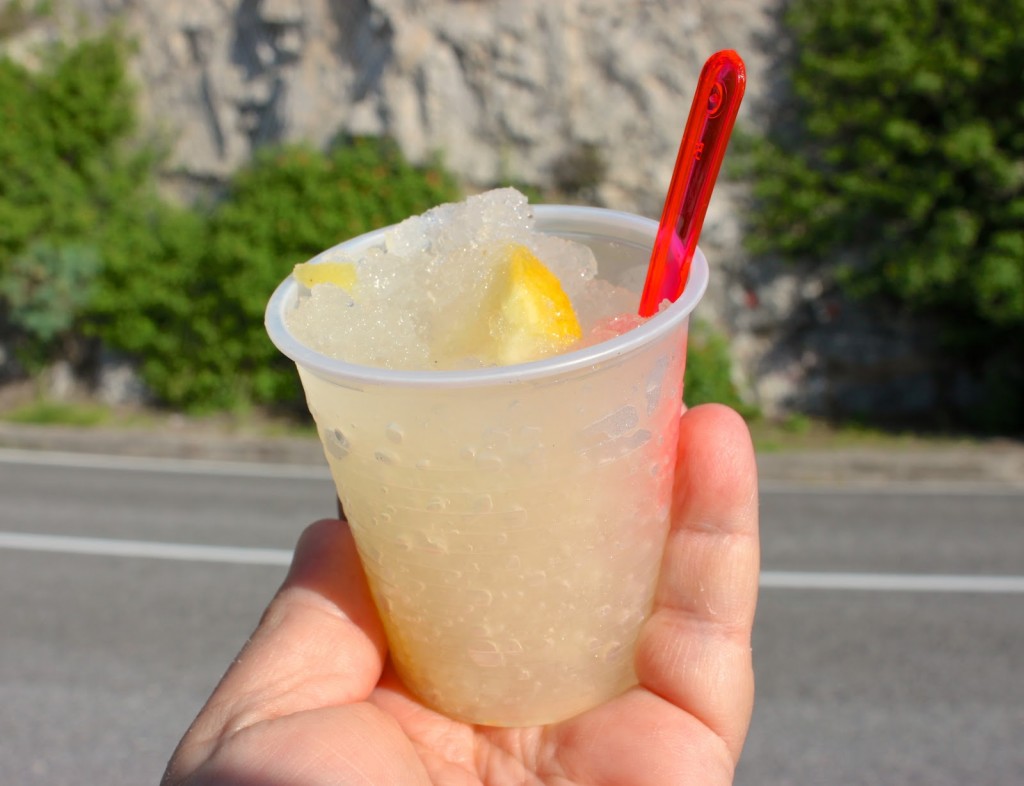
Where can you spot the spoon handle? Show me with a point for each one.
(708, 127)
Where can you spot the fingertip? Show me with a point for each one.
(326, 568)
(316, 538)
(326, 562)
(319, 553)
(320, 631)
(716, 464)
(727, 421)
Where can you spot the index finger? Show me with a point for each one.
(695, 649)
(319, 643)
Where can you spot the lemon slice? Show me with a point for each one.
(533, 317)
(340, 274)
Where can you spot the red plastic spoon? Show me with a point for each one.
(712, 115)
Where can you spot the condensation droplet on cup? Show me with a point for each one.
(451, 577)
(531, 433)
(423, 464)
(383, 570)
(486, 654)
(431, 543)
(612, 651)
(483, 503)
(385, 457)
(529, 444)
(371, 552)
(616, 424)
(496, 439)
(655, 379)
(468, 453)
(336, 442)
(630, 616)
(404, 542)
(394, 433)
(435, 504)
(489, 461)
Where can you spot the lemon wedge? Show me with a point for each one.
(340, 274)
(533, 317)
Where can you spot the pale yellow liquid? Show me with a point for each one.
(511, 534)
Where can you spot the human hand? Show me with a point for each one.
(312, 699)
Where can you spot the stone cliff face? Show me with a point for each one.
(498, 88)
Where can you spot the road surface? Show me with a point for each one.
(889, 642)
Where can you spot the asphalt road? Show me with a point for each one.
(889, 643)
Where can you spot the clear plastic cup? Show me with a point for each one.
(511, 520)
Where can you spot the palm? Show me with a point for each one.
(625, 742)
(312, 700)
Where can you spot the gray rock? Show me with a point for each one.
(61, 382)
(117, 383)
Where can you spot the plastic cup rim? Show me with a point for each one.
(342, 372)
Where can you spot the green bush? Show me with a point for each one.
(901, 154)
(149, 302)
(709, 371)
(65, 168)
(187, 298)
(182, 291)
(46, 289)
(68, 179)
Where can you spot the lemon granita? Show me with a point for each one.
(463, 285)
(502, 432)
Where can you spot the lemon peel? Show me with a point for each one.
(340, 274)
(534, 317)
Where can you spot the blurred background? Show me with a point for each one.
(165, 163)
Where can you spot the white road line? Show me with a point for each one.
(175, 466)
(109, 547)
(966, 488)
(194, 552)
(893, 582)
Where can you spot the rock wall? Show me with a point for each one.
(507, 88)
(498, 87)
